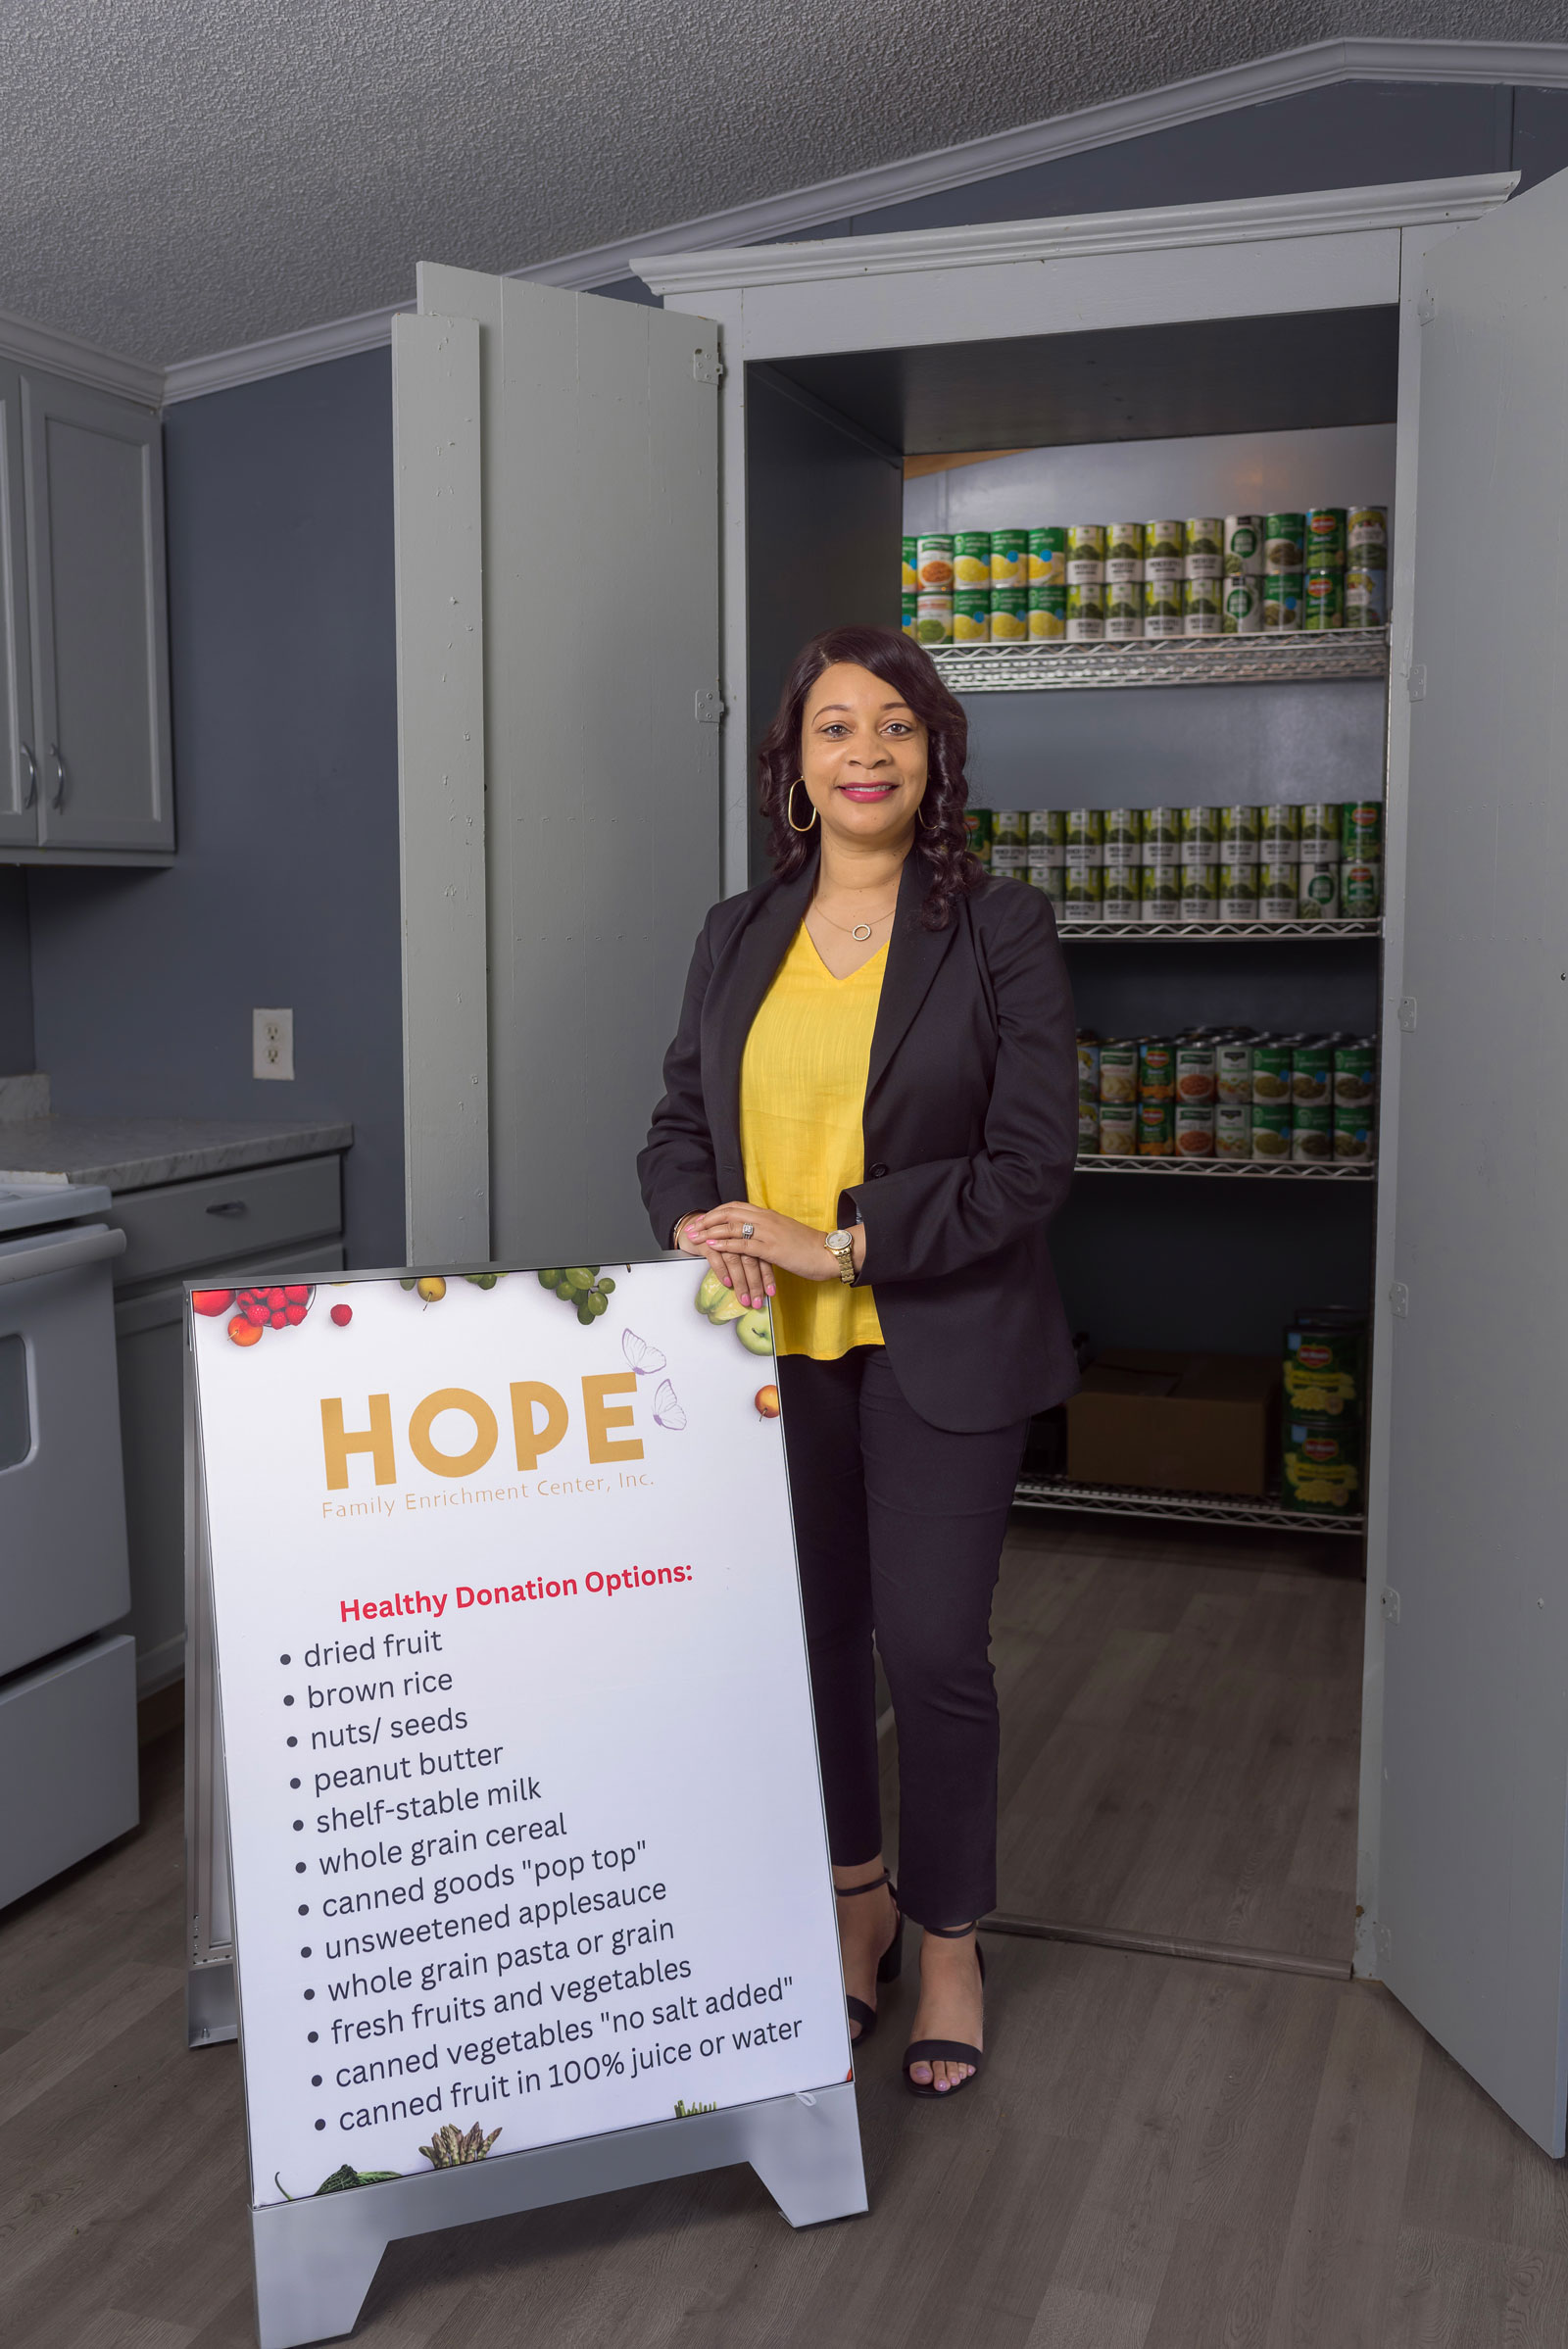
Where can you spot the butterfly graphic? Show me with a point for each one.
(644, 1358)
(668, 1412)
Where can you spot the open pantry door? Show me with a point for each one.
(1474, 1821)
(557, 472)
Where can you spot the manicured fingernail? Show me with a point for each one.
(771, 1291)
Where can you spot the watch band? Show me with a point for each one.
(843, 1249)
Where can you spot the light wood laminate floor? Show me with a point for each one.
(1165, 2155)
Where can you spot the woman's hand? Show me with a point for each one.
(747, 1273)
(776, 1240)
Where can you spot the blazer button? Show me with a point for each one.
(877, 1170)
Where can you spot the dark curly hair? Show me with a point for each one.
(939, 841)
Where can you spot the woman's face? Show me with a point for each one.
(862, 756)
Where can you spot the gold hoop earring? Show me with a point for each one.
(789, 808)
(920, 819)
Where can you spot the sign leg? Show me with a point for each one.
(311, 2277)
(806, 2152)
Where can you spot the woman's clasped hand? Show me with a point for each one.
(744, 1245)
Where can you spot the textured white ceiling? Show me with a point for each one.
(177, 177)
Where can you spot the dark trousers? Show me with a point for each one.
(899, 1527)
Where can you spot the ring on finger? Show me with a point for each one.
(748, 1231)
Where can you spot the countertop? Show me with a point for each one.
(132, 1154)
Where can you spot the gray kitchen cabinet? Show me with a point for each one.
(87, 773)
(294, 1210)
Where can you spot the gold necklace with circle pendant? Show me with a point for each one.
(861, 929)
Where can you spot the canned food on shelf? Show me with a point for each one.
(1048, 614)
(1048, 557)
(1233, 1130)
(934, 619)
(1048, 829)
(1125, 550)
(1277, 889)
(971, 616)
(1118, 1129)
(1244, 607)
(1325, 538)
(1118, 1073)
(1272, 1130)
(1159, 828)
(1010, 559)
(1083, 827)
(1157, 1069)
(1361, 888)
(1317, 897)
(1321, 825)
(1202, 613)
(1279, 832)
(1159, 892)
(1200, 892)
(1366, 538)
(1085, 553)
(1271, 1075)
(1195, 1129)
(909, 616)
(1323, 605)
(1122, 828)
(1238, 892)
(1243, 546)
(1282, 600)
(1196, 1075)
(1088, 1124)
(1086, 611)
(1366, 599)
(934, 563)
(912, 573)
(1009, 615)
(1284, 542)
(1157, 1128)
(1124, 610)
(1352, 1133)
(1164, 542)
(972, 560)
(1354, 1075)
(1322, 1468)
(1233, 1072)
(1312, 1075)
(1162, 608)
(1083, 889)
(1049, 877)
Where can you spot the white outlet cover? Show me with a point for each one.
(272, 1043)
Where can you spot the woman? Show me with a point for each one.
(869, 1116)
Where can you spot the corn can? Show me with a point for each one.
(1272, 1075)
(1366, 538)
(1048, 614)
(1233, 1130)
(1366, 599)
(1272, 1130)
(1282, 600)
(1118, 1073)
(1201, 606)
(972, 560)
(1321, 825)
(1355, 1076)
(933, 563)
(1157, 1128)
(911, 575)
(1323, 605)
(934, 619)
(1318, 891)
(1159, 892)
(1009, 615)
(1243, 546)
(1325, 1371)
(1244, 607)
(1325, 539)
(1238, 892)
(1352, 1134)
(1284, 542)
(971, 616)
(1321, 1469)
(1157, 1069)
(1118, 1129)
(1124, 610)
(1010, 559)
(1200, 892)
(1048, 557)
(1277, 884)
(909, 616)
(1233, 1073)
(1086, 613)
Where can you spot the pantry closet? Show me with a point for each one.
(1380, 346)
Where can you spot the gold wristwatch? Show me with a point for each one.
(843, 1248)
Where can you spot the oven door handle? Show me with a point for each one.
(31, 1262)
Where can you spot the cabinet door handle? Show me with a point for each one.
(31, 799)
(59, 799)
(228, 1206)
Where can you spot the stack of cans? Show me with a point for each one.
(1324, 1416)
(1233, 575)
(1227, 1093)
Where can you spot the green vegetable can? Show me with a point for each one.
(1157, 1070)
(971, 616)
(1200, 892)
(1355, 1076)
(1366, 599)
(1159, 892)
(1120, 898)
(1238, 892)
(1086, 553)
(1318, 891)
(1088, 1126)
(1124, 610)
(1320, 827)
(1010, 559)
(1083, 888)
(1204, 546)
(1271, 1131)
(1121, 830)
(1202, 613)
(1199, 835)
(1164, 542)
(1284, 542)
(977, 833)
(1048, 557)
(1325, 538)
(1010, 843)
(1048, 614)
(1324, 603)
(1271, 1076)
(1282, 601)
(1366, 538)
(1312, 1075)
(1083, 827)
(1243, 546)
(1086, 611)
(1050, 879)
(1009, 615)
(911, 575)
(1160, 828)
(1124, 553)
(1279, 835)
(1243, 608)
(1361, 888)
(1352, 1134)
(1047, 833)
(934, 619)
(1162, 607)
(1277, 890)
(971, 562)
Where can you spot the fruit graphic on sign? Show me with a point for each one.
(275, 1307)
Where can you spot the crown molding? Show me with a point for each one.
(1334, 212)
(1289, 74)
(281, 355)
(30, 344)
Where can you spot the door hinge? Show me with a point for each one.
(1426, 308)
(706, 367)
(1416, 681)
(1400, 1300)
(1408, 1013)
(711, 704)
(1391, 1606)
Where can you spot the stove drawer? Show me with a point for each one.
(68, 1735)
(226, 1220)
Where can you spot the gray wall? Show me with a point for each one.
(15, 977)
(285, 891)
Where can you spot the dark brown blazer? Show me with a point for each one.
(970, 1123)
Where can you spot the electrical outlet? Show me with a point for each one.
(272, 1043)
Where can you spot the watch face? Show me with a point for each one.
(836, 1240)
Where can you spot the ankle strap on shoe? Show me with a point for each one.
(849, 1892)
(951, 1932)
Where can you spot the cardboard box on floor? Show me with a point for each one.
(1176, 1423)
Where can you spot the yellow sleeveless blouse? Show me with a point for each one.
(803, 1093)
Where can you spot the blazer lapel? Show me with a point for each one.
(914, 957)
(735, 992)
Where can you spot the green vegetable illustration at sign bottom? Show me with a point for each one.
(719, 1306)
(341, 2180)
(689, 2112)
(579, 1285)
(451, 2148)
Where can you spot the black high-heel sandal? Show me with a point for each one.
(888, 1966)
(944, 2051)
